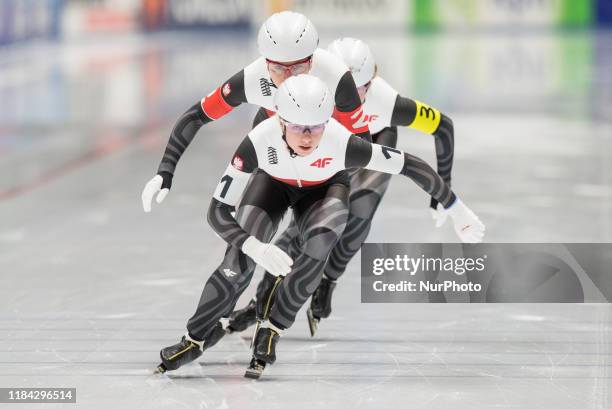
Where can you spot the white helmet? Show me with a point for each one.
(304, 100)
(357, 56)
(287, 36)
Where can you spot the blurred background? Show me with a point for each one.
(91, 288)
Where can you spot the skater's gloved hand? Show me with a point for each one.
(468, 226)
(268, 256)
(160, 186)
(439, 215)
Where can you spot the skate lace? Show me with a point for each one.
(190, 346)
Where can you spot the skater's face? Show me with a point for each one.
(303, 139)
(280, 71)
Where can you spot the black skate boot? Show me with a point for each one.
(214, 336)
(177, 355)
(242, 319)
(265, 295)
(187, 350)
(264, 352)
(320, 304)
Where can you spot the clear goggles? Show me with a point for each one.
(295, 128)
(296, 68)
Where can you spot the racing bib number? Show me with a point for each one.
(426, 119)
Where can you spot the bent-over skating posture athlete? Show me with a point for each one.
(298, 159)
(384, 110)
(287, 42)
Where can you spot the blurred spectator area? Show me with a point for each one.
(22, 20)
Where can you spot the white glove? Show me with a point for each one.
(268, 256)
(439, 215)
(468, 226)
(152, 188)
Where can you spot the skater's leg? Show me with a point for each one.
(320, 222)
(259, 306)
(320, 218)
(259, 213)
(367, 191)
(289, 240)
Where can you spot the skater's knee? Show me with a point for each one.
(321, 241)
(323, 230)
(231, 276)
(256, 222)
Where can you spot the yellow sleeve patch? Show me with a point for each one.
(426, 119)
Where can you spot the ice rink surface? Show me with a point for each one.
(91, 288)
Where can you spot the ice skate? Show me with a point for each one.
(177, 355)
(313, 322)
(264, 352)
(266, 292)
(243, 318)
(258, 308)
(187, 350)
(255, 369)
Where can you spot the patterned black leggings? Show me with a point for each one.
(319, 217)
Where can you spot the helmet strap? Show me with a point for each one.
(291, 151)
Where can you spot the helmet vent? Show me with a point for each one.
(270, 35)
(362, 63)
(293, 98)
(322, 99)
(301, 35)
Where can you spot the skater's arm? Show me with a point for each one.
(417, 115)
(227, 196)
(228, 193)
(223, 223)
(348, 110)
(362, 154)
(261, 115)
(212, 107)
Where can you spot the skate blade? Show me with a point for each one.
(313, 323)
(161, 368)
(255, 369)
(253, 373)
